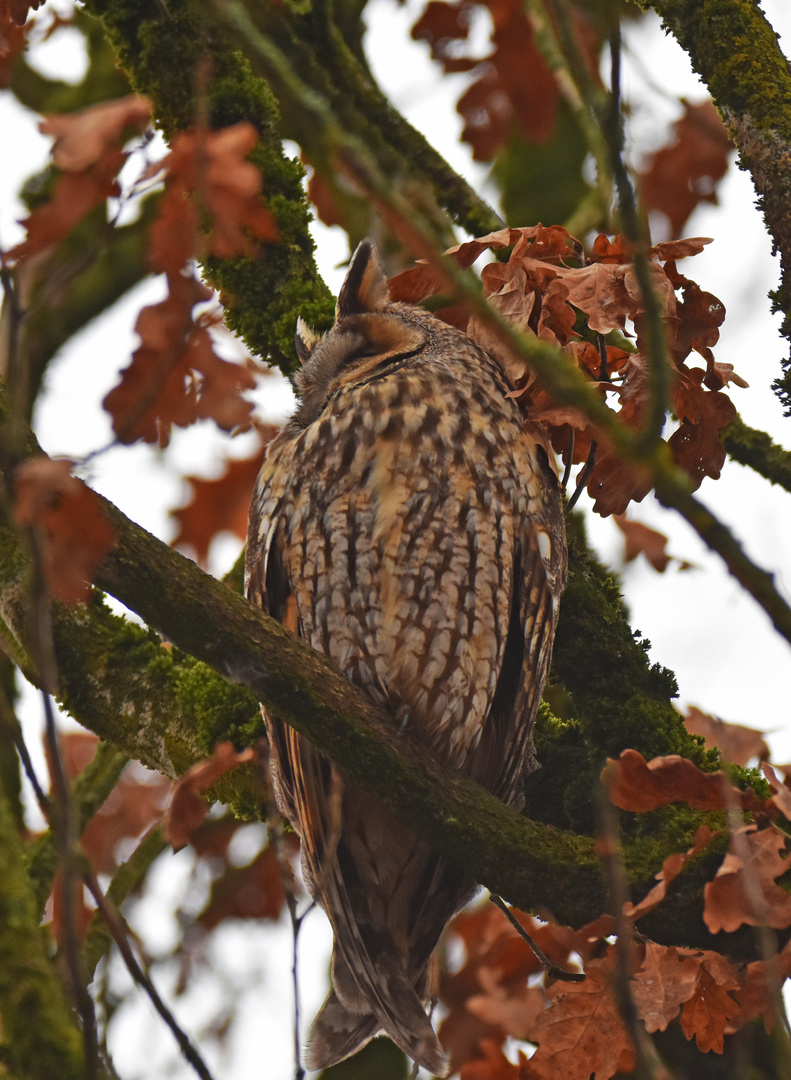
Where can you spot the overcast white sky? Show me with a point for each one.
(718, 642)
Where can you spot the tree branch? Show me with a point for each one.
(756, 449)
(531, 864)
(734, 49)
(39, 1037)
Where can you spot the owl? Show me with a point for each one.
(407, 524)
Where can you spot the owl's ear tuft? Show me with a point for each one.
(365, 287)
(305, 340)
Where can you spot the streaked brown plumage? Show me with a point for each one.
(406, 524)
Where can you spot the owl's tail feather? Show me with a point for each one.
(337, 1032)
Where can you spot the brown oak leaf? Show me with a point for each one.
(581, 1033)
(212, 166)
(685, 172)
(220, 505)
(254, 891)
(175, 376)
(188, 808)
(707, 1014)
(637, 785)
(744, 889)
(671, 868)
(640, 539)
(667, 978)
(781, 793)
(492, 1064)
(83, 138)
(76, 531)
(737, 742)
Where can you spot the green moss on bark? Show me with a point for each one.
(164, 50)
(735, 50)
(604, 696)
(38, 1038)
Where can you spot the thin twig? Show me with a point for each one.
(11, 726)
(649, 1065)
(552, 970)
(120, 936)
(62, 817)
(569, 460)
(590, 461)
(277, 839)
(767, 938)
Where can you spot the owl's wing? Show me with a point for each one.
(505, 751)
(379, 993)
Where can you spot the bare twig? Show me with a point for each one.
(552, 970)
(10, 726)
(649, 1065)
(62, 815)
(120, 936)
(587, 469)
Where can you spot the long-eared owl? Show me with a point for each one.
(407, 524)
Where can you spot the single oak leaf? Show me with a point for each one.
(133, 806)
(213, 166)
(512, 1009)
(71, 520)
(175, 376)
(254, 891)
(696, 444)
(173, 238)
(637, 785)
(188, 808)
(781, 793)
(220, 505)
(667, 978)
(83, 138)
(737, 742)
(640, 539)
(581, 1034)
(698, 318)
(492, 1064)
(75, 195)
(686, 171)
(707, 1014)
(759, 992)
(671, 868)
(680, 249)
(744, 889)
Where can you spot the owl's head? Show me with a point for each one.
(370, 334)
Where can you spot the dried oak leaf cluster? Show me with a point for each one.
(550, 289)
(497, 992)
(210, 205)
(512, 84)
(513, 89)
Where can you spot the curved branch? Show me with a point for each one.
(734, 49)
(531, 864)
(756, 449)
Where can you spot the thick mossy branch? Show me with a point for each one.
(735, 50)
(39, 1038)
(314, 45)
(179, 52)
(756, 449)
(119, 680)
(604, 695)
(164, 49)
